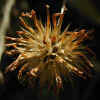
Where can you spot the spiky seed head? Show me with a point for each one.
(47, 53)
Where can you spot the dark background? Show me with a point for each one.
(82, 89)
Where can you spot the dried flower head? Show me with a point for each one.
(46, 53)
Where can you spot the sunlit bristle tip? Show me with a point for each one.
(48, 53)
